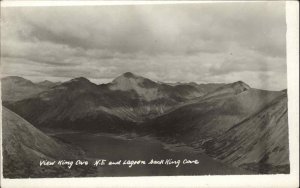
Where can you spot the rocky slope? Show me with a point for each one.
(24, 146)
(239, 125)
(259, 143)
(212, 115)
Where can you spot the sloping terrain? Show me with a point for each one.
(24, 146)
(211, 116)
(228, 90)
(260, 143)
(239, 125)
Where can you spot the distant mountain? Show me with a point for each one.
(228, 90)
(48, 84)
(223, 90)
(16, 88)
(150, 90)
(203, 88)
(75, 104)
(128, 98)
(24, 146)
(156, 98)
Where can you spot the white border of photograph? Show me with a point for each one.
(291, 180)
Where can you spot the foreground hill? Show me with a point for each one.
(24, 146)
(259, 143)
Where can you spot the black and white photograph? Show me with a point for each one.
(189, 89)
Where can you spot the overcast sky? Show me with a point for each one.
(187, 43)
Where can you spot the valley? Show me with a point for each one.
(229, 128)
(143, 148)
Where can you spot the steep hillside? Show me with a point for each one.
(24, 146)
(212, 116)
(259, 143)
(237, 124)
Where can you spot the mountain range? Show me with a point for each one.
(15, 88)
(233, 123)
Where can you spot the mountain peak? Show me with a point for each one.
(16, 80)
(142, 86)
(229, 89)
(13, 78)
(46, 82)
(128, 75)
(240, 85)
(80, 79)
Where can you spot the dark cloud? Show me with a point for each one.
(187, 42)
(161, 28)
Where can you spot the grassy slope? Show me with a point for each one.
(24, 146)
(259, 143)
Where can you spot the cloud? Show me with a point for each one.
(248, 60)
(207, 42)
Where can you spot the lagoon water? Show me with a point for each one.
(141, 150)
